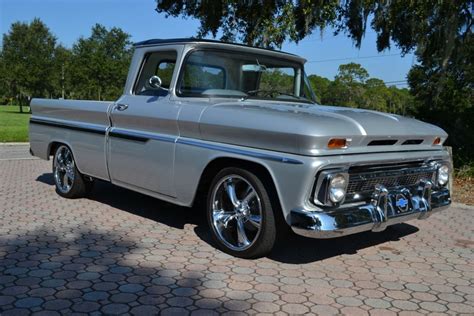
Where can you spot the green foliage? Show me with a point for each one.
(60, 77)
(465, 171)
(33, 65)
(14, 125)
(320, 86)
(261, 23)
(352, 87)
(99, 64)
(352, 73)
(27, 60)
(446, 98)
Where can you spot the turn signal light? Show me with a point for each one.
(337, 143)
(437, 141)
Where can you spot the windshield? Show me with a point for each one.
(221, 73)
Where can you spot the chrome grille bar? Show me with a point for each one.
(366, 181)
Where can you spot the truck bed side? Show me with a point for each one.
(80, 124)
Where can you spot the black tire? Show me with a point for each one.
(78, 186)
(264, 240)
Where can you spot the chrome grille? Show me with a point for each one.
(365, 182)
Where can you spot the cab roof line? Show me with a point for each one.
(159, 41)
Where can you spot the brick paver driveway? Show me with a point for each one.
(122, 252)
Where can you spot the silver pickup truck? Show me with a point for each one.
(239, 127)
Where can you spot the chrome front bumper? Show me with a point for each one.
(374, 216)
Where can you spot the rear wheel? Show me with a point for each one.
(240, 214)
(70, 183)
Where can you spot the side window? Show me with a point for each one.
(159, 64)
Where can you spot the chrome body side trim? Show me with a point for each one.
(238, 151)
(139, 135)
(81, 127)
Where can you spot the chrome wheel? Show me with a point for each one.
(236, 212)
(64, 169)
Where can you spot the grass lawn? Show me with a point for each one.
(13, 124)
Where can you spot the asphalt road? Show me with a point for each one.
(122, 252)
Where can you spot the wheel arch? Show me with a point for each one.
(260, 170)
(54, 144)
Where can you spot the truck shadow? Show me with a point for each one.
(291, 248)
(297, 249)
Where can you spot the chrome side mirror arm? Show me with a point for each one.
(155, 83)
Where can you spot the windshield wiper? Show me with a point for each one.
(268, 92)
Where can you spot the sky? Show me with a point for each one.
(68, 20)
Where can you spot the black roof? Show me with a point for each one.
(156, 41)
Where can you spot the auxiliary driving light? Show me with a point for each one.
(337, 188)
(443, 175)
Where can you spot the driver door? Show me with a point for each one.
(142, 138)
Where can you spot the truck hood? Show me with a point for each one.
(305, 129)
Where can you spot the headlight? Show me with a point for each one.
(337, 188)
(330, 188)
(443, 175)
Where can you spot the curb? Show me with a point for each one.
(14, 144)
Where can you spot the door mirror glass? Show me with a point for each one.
(154, 83)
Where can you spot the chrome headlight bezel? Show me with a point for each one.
(331, 188)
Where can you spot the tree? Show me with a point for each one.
(446, 98)
(352, 73)
(376, 96)
(320, 86)
(262, 23)
(348, 87)
(353, 87)
(100, 64)
(3, 81)
(28, 50)
(62, 78)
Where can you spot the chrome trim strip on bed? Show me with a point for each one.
(81, 127)
(238, 151)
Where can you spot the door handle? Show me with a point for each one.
(121, 107)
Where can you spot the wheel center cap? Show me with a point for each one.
(243, 210)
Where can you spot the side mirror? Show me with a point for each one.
(154, 83)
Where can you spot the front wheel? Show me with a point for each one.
(240, 214)
(70, 183)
